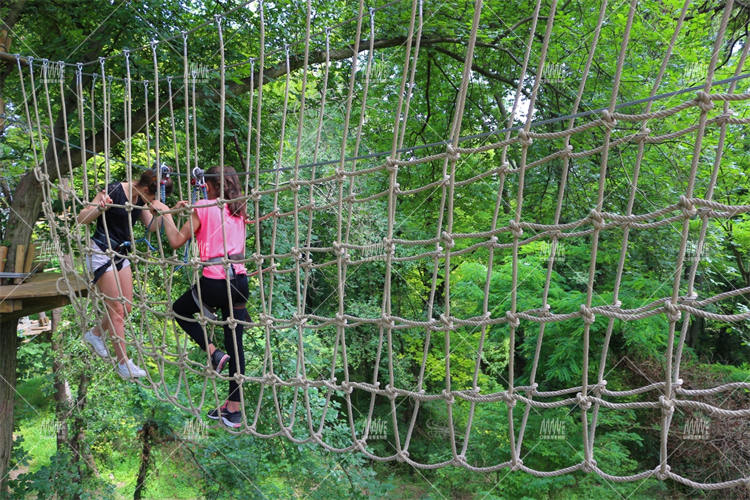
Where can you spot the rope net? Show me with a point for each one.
(343, 208)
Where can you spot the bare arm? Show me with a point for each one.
(92, 212)
(178, 237)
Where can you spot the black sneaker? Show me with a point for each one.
(219, 360)
(231, 419)
(216, 413)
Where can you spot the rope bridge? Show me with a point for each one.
(361, 185)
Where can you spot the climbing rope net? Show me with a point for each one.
(288, 398)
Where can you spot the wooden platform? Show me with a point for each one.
(38, 293)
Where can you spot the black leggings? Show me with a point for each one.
(214, 294)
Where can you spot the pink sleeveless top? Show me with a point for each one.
(211, 235)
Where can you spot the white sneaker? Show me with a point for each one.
(129, 370)
(96, 344)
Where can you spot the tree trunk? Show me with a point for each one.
(147, 437)
(7, 392)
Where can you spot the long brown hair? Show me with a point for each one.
(232, 189)
(148, 183)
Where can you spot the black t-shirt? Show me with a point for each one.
(118, 226)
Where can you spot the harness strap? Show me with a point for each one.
(219, 260)
(117, 261)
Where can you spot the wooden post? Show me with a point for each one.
(3, 256)
(20, 259)
(7, 393)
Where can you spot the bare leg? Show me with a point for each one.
(114, 320)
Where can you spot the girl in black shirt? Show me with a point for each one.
(113, 276)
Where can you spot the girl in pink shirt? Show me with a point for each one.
(219, 231)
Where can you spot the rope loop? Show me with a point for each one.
(703, 101)
(126, 53)
(217, 20)
(154, 42)
(587, 314)
(687, 207)
(672, 311)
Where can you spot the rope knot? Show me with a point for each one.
(446, 179)
(347, 387)
(294, 185)
(515, 229)
(447, 322)
(672, 311)
(452, 152)
(608, 120)
(338, 249)
(447, 239)
(687, 207)
(448, 396)
(703, 100)
(295, 253)
(643, 134)
(666, 404)
(340, 319)
(524, 138)
(39, 175)
(596, 219)
(391, 164)
(678, 383)
(390, 391)
(589, 465)
(516, 463)
(587, 314)
(387, 321)
(663, 472)
(504, 168)
(402, 456)
(512, 319)
(583, 401)
(299, 319)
